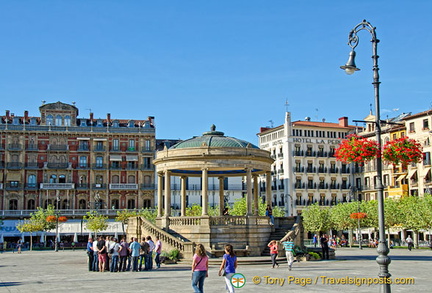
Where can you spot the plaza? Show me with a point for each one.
(66, 271)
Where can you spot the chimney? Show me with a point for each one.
(108, 118)
(7, 114)
(343, 121)
(91, 116)
(25, 116)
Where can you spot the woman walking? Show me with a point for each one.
(199, 268)
(228, 267)
(273, 252)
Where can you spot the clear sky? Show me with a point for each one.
(229, 63)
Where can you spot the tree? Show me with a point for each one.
(40, 217)
(148, 214)
(96, 222)
(392, 214)
(30, 226)
(316, 219)
(413, 217)
(123, 217)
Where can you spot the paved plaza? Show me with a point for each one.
(66, 271)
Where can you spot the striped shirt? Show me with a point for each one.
(288, 245)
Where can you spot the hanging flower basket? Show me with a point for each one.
(62, 219)
(51, 219)
(358, 216)
(357, 149)
(402, 150)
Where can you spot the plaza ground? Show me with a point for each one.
(66, 271)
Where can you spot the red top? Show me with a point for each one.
(273, 248)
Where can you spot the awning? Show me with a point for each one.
(115, 157)
(13, 177)
(131, 158)
(411, 173)
(99, 139)
(83, 138)
(425, 172)
(401, 177)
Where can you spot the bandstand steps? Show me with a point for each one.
(277, 234)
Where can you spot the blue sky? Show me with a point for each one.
(229, 63)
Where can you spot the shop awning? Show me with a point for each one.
(115, 158)
(131, 158)
(426, 171)
(401, 177)
(83, 138)
(99, 139)
(411, 173)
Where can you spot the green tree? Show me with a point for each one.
(316, 219)
(123, 217)
(149, 214)
(412, 211)
(392, 214)
(96, 222)
(30, 226)
(340, 216)
(40, 218)
(196, 211)
(240, 207)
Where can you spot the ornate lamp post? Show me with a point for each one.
(383, 260)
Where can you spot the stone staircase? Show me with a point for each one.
(277, 235)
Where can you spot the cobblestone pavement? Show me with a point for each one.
(66, 271)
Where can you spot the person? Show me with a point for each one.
(225, 212)
(95, 266)
(116, 248)
(410, 242)
(199, 268)
(269, 213)
(273, 252)
(150, 254)
(134, 248)
(102, 253)
(158, 251)
(108, 242)
(324, 246)
(315, 240)
(19, 246)
(144, 254)
(129, 256)
(90, 253)
(289, 251)
(123, 254)
(229, 264)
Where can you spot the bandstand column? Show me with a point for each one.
(255, 194)
(167, 193)
(183, 196)
(249, 192)
(160, 194)
(204, 192)
(268, 188)
(221, 196)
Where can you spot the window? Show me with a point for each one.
(116, 145)
(67, 120)
(131, 123)
(31, 181)
(33, 121)
(53, 179)
(99, 146)
(131, 145)
(59, 120)
(99, 123)
(99, 162)
(83, 162)
(411, 127)
(83, 123)
(15, 121)
(115, 123)
(425, 124)
(131, 204)
(131, 179)
(146, 164)
(31, 204)
(426, 158)
(62, 179)
(49, 120)
(115, 179)
(13, 204)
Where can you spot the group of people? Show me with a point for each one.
(200, 268)
(108, 254)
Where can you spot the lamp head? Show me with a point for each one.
(350, 66)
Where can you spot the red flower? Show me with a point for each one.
(358, 216)
(357, 149)
(51, 219)
(402, 150)
(62, 219)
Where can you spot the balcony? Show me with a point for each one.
(115, 167)
(333, 170)
(31, 186)
(298, 153)
(14, 147)
(310, 154)
(14, 165)
(83, 148)
(131, 150)
(131, 167)
(32, 165)
(280, 171)
(147, 167)
(299, 185)
(99, 166)
(321, 154)
(57, 165)
(123, 186)
(334, 186)
(146, 150)
(32, 147)
(148, 186)
(311, 170)
(58, 147)
(322, 170)
(345, 170)
(59, 186)
(82, 186)
(115, 149)
(298, 169)
(280, 156)
(97, 148)
(82, 166)
(99, 186)
(13, 186)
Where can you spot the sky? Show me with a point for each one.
(237, 64)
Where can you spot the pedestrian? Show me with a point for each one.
(134, 248)
(228, 267)
(199, 268)
(324, 246)
(19, 246)
(145, 247)
(123, 254)
(90, 253)
(95, 266)
(116, 248)
(269, 213)
(273, 252)
(158, 251)
(102, 254)
(129, 256)
(410, 242)
(289, 251)
(150, 254)
(315, 240)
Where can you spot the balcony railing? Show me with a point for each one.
(31, 186)
(14, 147)
(82, 186)
(97, 148)
(14, 165)
(148, 186)
(298, 169)
(58, 147)
(32, 165)
(298, 153)
(123, 186)
(146, 150)
(147, 167)
(57, 165)
(99, 186)
(99, 166)
(61, 186)
(32, 147)
(83, 148)
(13, 186)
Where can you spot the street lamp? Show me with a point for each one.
(383, 260)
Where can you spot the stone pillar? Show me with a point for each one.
(268, 188)
(183, 196)
(255, 195)
(221, 196)
(167, 193)
(249, 192)
(204, 192)
(160, 194)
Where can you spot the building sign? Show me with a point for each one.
(316, 140)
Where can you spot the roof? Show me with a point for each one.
(321, 124)
(213, 139)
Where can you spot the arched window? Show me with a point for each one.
(147, 204)
(13, 204)
(62, 179)
(82, 205)
(115, 204)
(67, 120)
(59, 120)
(47, 203)
(131, 204)
(31, 204)
(131, 179)
(31, 181)
(49, 120)
(115, 179)
(53, 179)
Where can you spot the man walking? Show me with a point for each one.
(324, 246)
(144, 254)
(90, 254)
(410, 242)
(150, 254)
(158, 250)
(134, 248)
(289, 251)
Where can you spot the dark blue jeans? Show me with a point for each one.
(148, 261)
(95, 262)
(157, 260)
(114, 262)
(135, 263)
(198, 278)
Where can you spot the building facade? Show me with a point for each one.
(305, 170)
(75, 164)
